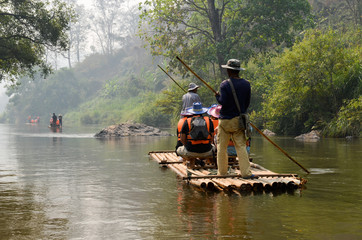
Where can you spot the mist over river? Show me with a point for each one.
(70, 185)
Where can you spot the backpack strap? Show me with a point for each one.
(234, 94)
(244, 116)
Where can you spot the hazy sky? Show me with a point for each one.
(86, 3)
(90, 2)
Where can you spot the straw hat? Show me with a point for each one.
(214, 111)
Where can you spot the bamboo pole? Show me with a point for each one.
(162, 151)
(227, 183)
(239, 176)
(210, 184)
(280, 149)
(202, 80)
(266, 184)
(168, 162)
(172, 79)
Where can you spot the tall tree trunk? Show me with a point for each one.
(215, 21)
(69, 60)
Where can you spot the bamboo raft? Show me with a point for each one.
(204, 175)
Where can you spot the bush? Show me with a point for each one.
(348, 120)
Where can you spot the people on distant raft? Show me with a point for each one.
(196, 134)
(229, 118)
(60, 118)
(53, 120)
(189, 98)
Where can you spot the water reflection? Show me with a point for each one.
(22, 216)
(22, 206)
(73, 186)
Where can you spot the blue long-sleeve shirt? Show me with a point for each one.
(229, 109)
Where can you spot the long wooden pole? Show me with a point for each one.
(239, 176)
(280, 149)
(172, 79)
(203, 81)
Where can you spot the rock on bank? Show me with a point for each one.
(311, 136)
(130, 129)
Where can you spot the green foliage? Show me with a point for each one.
(315, 84)
(96, 111)
(94, 91)
(337, 13)
(348, 120)
(150, 113)
(209, 32)
(27, 29)
(140, 108)
(44, 96)
(260, 72)
(313, 80)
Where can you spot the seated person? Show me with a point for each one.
(197, 134)
(214, 113)
(179, 127)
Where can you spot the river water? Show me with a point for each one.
(69, 185)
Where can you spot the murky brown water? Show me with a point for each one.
(71, 186)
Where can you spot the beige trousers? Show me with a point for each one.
(229, 128)
(182, 151)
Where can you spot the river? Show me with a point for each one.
(69, 185)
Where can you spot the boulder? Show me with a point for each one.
(130, 129)
(311, 136)
(268, 132)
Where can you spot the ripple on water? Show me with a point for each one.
(322, 170)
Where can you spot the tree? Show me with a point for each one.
(337, 13)
(313, 81)
(39, 96)
(28, 28)
(105, 22)
(355, 7)
(77, 34)
(348, 120)
(209, 31)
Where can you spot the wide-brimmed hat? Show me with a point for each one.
(192, 86)
(233, 64)
(214, 111)
(196, 109)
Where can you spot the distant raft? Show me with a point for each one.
(203, 175)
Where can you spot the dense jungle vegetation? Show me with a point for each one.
(302, 58)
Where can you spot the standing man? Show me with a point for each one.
(229, 119)
(189, 98)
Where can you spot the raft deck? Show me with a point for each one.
(205, 176)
